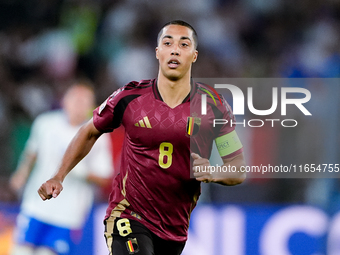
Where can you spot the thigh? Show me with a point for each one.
(163, 247)
(125, 237)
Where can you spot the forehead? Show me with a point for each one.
(177, 31)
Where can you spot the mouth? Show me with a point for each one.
(173, 63)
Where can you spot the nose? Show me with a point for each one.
(175, 51)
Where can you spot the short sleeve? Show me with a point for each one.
(223, 112)
(106, 117)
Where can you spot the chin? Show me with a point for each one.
(173, 76)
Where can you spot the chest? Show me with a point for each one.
(149, 122)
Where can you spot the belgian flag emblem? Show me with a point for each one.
(132, 246)
(193, 125)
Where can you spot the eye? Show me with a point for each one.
(167, 43)
(185, 44)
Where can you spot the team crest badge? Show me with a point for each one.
(132, 246)
(193, 125)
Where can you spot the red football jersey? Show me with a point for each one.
(154, 185)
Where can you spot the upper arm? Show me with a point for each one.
(229, 145)
(227, 141)
(91, 129)
(108, 115)
(87, 134)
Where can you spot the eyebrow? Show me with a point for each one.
(182, 37)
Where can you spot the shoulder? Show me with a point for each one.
(120, 98)
(133, 89)
(212, 95)
(137, 85)
(216, 100)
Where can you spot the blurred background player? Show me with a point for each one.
(53, 228)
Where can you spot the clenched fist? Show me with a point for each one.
(200, 166)
(49, 189)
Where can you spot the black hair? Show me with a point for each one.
(180, 23)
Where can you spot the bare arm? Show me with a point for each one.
(79, 147)
(20, 176)
(232, 174)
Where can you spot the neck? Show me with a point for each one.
(173, 92)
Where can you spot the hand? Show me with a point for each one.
(49, 189)
(201, 168)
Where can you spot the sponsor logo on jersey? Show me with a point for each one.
(144, 123)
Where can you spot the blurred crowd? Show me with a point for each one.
(46, 45)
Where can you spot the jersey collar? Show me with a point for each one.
(186, 99)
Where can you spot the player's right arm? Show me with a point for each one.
(79, 147)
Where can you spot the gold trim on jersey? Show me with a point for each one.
(124, 183)
(108, 232)
(115, 213)
(122, 205)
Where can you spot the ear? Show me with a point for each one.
(195, 56)
(156, 49)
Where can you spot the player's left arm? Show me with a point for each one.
(230, 149)
(230, 175)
